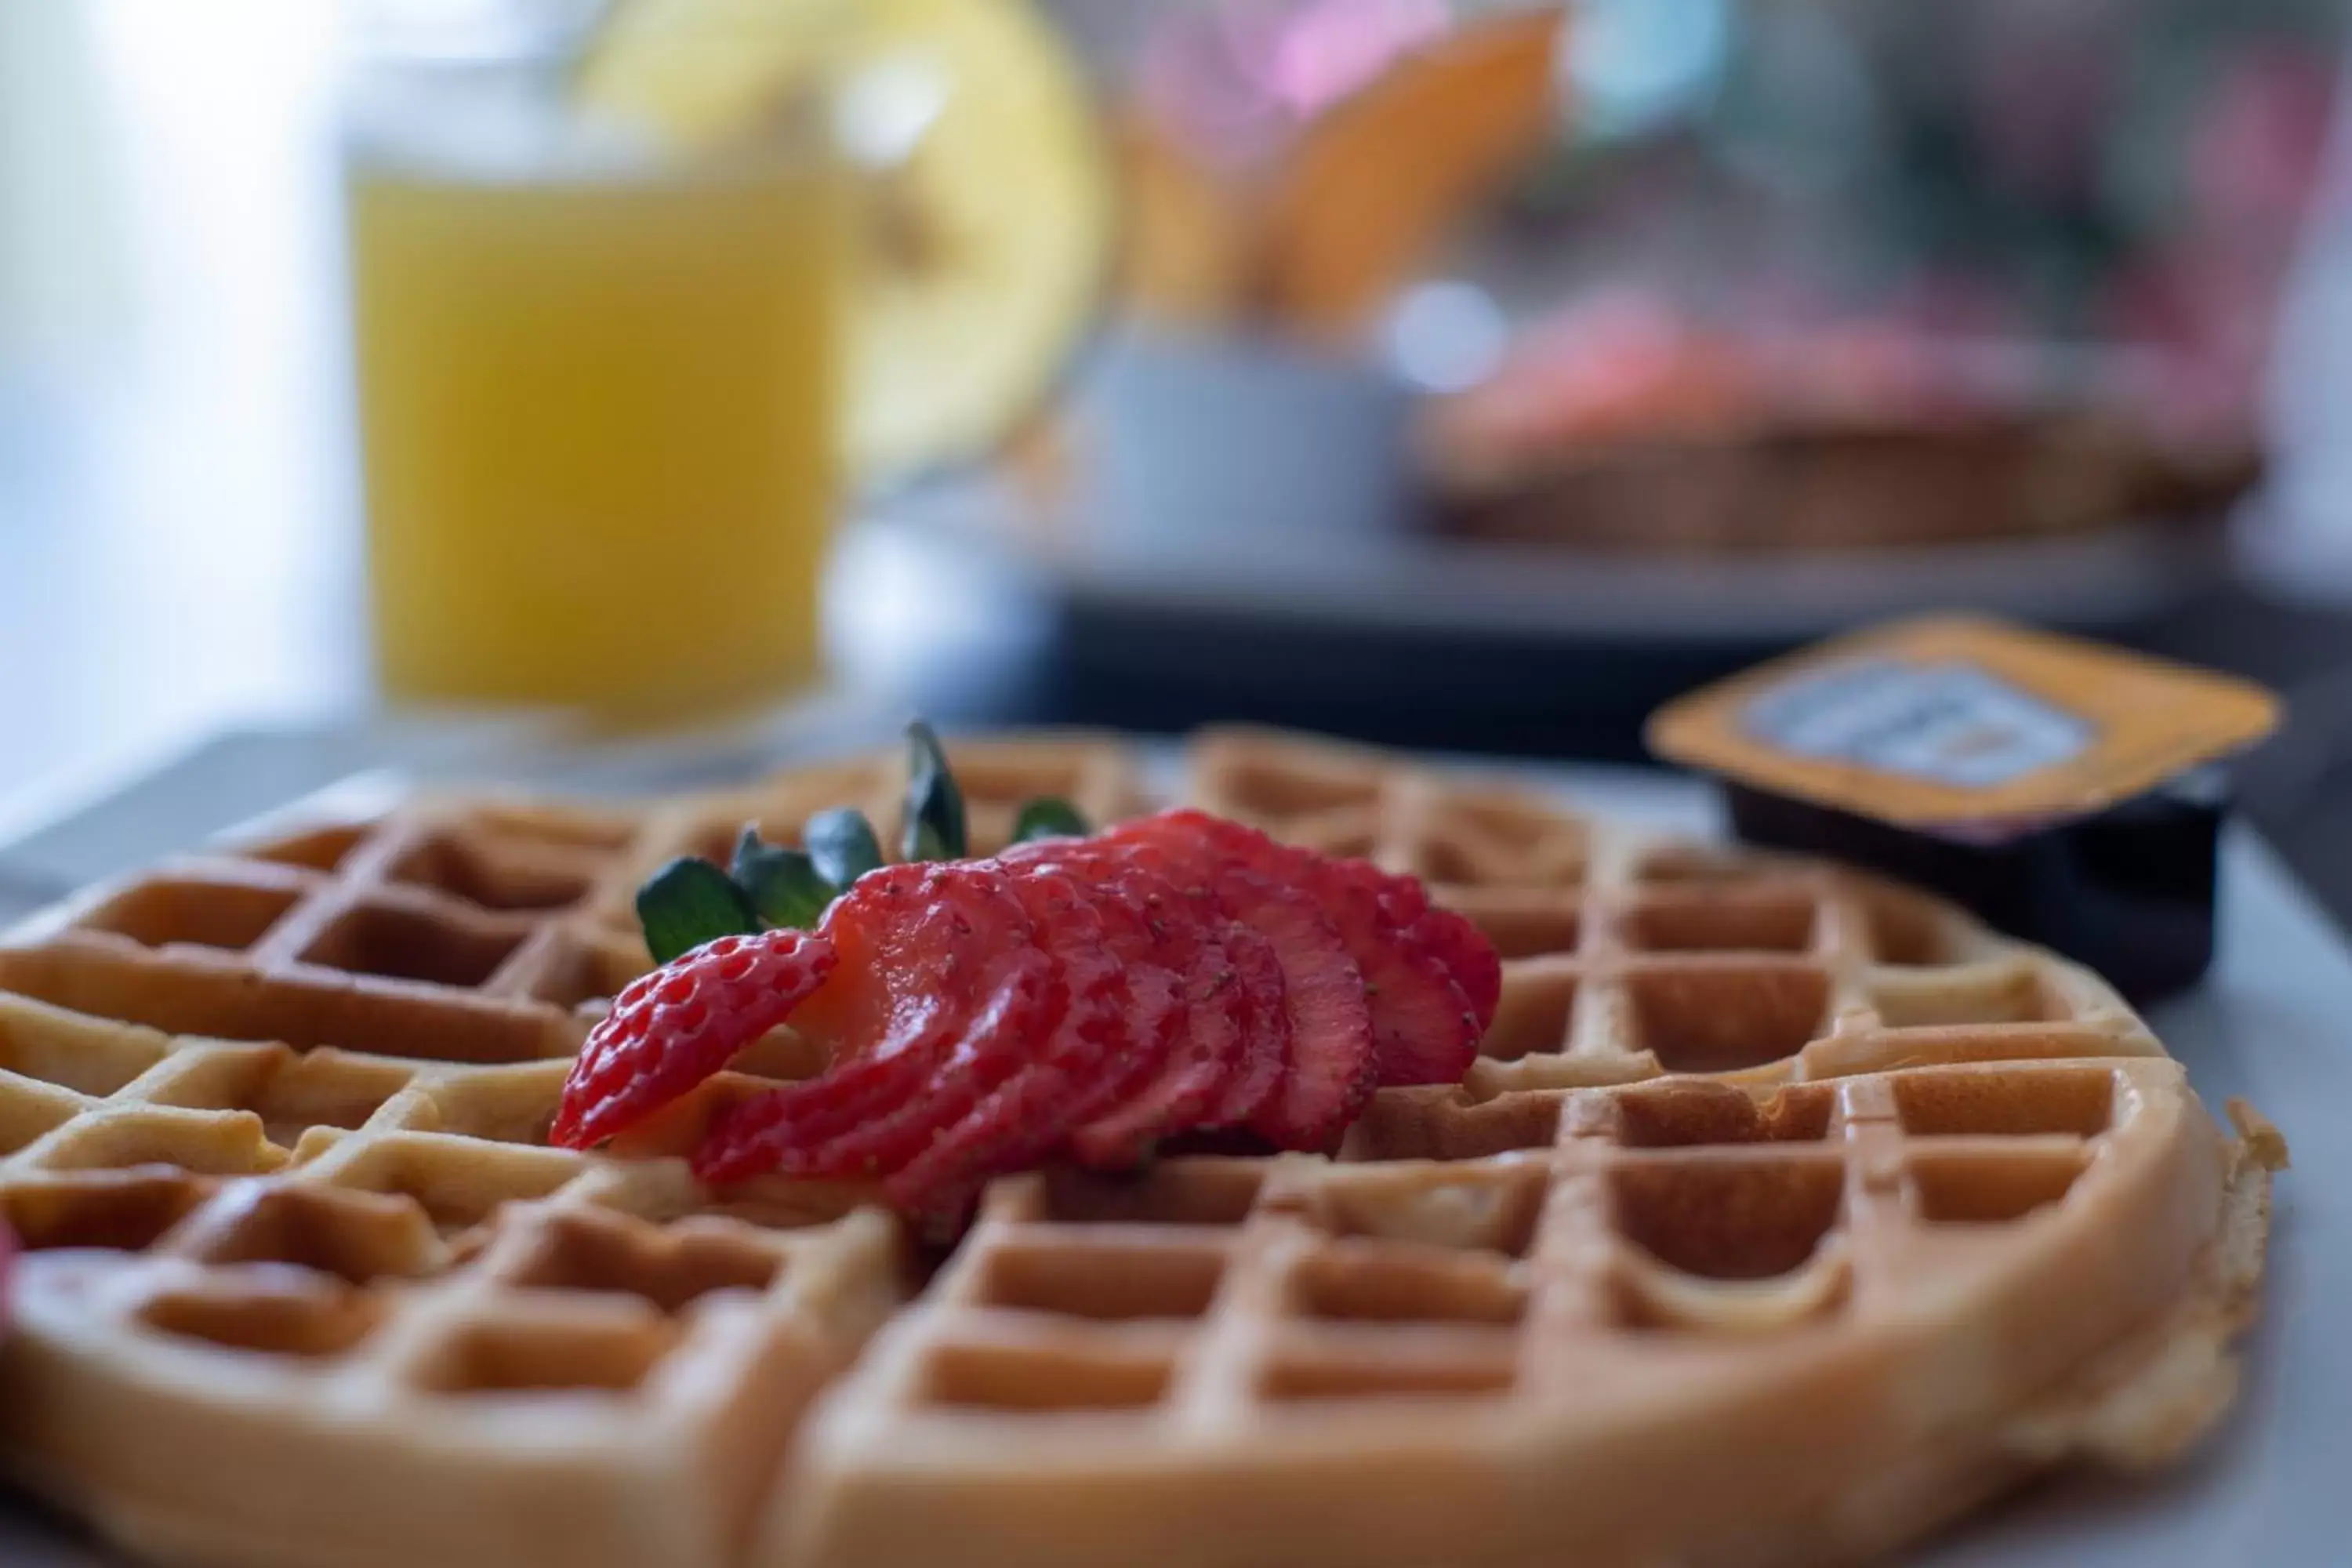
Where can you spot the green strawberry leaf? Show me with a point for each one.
(1046, 817)
(782, 886)
(842, 844)
(689, 902)
(934, 828)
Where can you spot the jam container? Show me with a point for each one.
(2066, 793)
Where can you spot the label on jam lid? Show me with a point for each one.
(1952, 721)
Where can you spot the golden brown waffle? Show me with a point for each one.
(422, 1339)
(1787, 1215)
(464, 930)
(1627, 955)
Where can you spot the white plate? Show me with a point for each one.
(2270, 1025)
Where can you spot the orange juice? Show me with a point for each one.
(598, 422)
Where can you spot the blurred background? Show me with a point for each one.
(1447, 372)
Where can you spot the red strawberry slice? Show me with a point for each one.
(1206, 1052)
(1425, 1025)
(1425, 1028)
(1148, 944)
(1019, 1120)
(1086, 921)
(1434, 973)
(924, 951)
(1405, 905)
(992, 1046)
(1258, 975)
(1466, 953)
(1113, 1037)
(1267, 1038)
(1332, 1065)
(1458, 943)
(671, 1029)
(1231, 1058)
(1192, 1078)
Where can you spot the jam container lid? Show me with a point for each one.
(1972, 727)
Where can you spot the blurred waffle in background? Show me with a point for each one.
(1626, 426)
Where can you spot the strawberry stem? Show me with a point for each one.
(842, 844)
(1045, 818)
(934, 828)
(782, 886)
(689, 902)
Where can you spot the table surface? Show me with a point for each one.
(2267, 1025)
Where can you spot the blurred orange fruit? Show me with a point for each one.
(1375, 183)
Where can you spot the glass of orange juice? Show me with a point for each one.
(597, 378)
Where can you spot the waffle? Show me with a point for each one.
(1891, 485)
(1787, 1215)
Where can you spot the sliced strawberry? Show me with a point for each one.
(935, 943)
(1204, 1054)
(1266, 1035)
(1424, 1022)
(1177, 974)
(1149, 945)
(1333, 1064)
(1124, 1007)
(1427, 1031)
(992, 1046)
(1113, 1037)
(1257, 969)
(1192, 1078)
(923, 951)
(913, 934)
(1019, 1120)
(1231, 1057)
(1458, 943)
(674, 1027)
(1466, 953)
(1404, 904)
